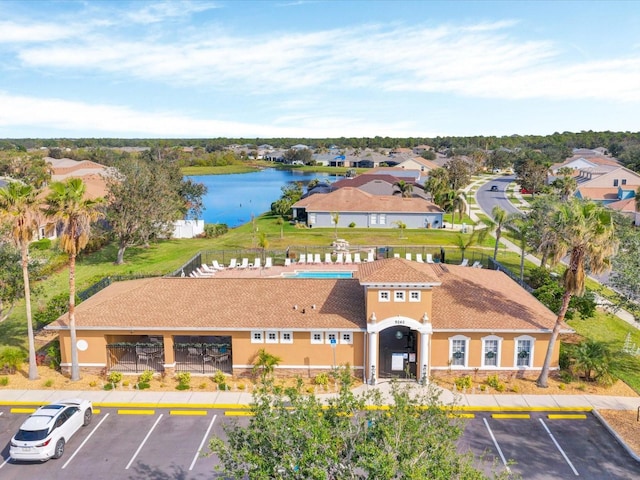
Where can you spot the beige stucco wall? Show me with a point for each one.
(383, 310)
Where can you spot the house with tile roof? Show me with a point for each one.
(393, 318)
(418, 163)
(613, 186)
(364, 209)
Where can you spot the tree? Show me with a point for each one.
(143, 201)
(531, 171)
(67, 205)
(521, 227)
(565, 184)
(460, 172)
(293, 435)
(593, 359)
(401, 227)
(459, 204)
(11, 279)
(437, 184)
(466, 241)
(265, 363)
(626, 264)
(335, 218)
(405, 189)
(585, 232)
(20, 207)
(499, 218)
(281, 207)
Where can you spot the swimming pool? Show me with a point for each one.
(318, 274)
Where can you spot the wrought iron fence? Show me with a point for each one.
(106, 281)
(203, 358)
(495, 265)
(135, 357)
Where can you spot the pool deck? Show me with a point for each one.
(278, 270)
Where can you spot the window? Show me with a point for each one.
(383, 296)
(286, 337)
(271, 337)
(317, 337)
(398, 296)
(383, 219)
(624, 181)
(490, 352)
(615, 182)
(346, 338)
(414, 296)
(524, 351)
(312, 218)
(374, 219)
(458, 350)
(257, 337)
(332, 336)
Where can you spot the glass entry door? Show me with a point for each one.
(397, 356)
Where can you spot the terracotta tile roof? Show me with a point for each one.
(477, 298)
(626, 205)
(350, 199)
(232, 303)
(397, 270)
(364, 179)
(599, 193)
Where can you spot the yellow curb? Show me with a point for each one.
(238, 413)
(96, 411)
(136, 412)
(7, 403)
(566, 417)
(461, 415)
(523, 409)
(23, 410)
(221, 406)
(187, 412)
(511, 415)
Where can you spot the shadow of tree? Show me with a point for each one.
(144, 471)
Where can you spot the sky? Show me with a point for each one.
(317, 68)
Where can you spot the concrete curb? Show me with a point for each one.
(616, 436)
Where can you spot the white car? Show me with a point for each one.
(44, 434)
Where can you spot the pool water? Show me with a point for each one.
(318, 274)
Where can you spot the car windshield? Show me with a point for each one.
(31, 435)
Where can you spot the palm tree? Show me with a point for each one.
(585, 232)
(335, 218)
(521, 227)
(499, 217)
(476, 237)
(20, 207)
(405, 189)
(67, 204)
(265, 363)
(459, 204)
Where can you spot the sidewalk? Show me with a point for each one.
(230, 400)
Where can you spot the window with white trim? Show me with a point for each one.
(271, 337)
(458, 350)
(374, 219)
(331, 336)
(524, 351)
(398, 296)
(384, 296)
(346, 338)
(491, 351)
(257, 337)
(382, 219)
(317, 337)
(286, 337)
(414, 296)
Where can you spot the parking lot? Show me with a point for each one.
(168, 444)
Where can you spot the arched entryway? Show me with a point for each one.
(397, 353)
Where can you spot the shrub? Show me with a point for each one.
(463, 382)
(93, 383)
(146, 376)
(219, 377)
(42, 244)
(11, 358)
(56, 306)
(184, 380)
(515, 389)
(4, 381)
(53, 354)
(321, 379)
(352, 225)
(501, 387)
(223, 386)
(241, 386)
(108, 386)
(562, 386)
(114, 378)
(212, 230)
(565, 376)
(49, 383)
(493, 381)
(202, 385)
(125, 383)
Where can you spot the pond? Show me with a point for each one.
(234, 198)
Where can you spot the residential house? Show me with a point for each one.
(394, 318)
(363, 209)
(418, 163)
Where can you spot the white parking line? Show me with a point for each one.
(204, 439)
(5, 462)
(559, 448)
(495, 442)
(85, 441)
(143, 442)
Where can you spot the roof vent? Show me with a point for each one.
(295, 307)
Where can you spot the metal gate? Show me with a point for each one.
(203, 357)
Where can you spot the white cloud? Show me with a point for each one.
(11, 32)
(158, 12)
(77, 118)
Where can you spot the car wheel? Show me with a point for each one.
(87, 417)
(59, 448)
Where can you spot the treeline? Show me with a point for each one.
(615, 142)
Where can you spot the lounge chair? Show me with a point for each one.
(348, 259)
(340, 258)
(407, 256)
(287, 262)
(356, 258)
(233, 263)
(217, 266)
(370, 257)
(244, 264)
(327, 258)
(419, 258)
(316, 258)
(207, 269)
(477, 264)
(429, 258)
(201, 273)
(465, 262)
(303, 258)
(268, 263)
(396, 255)
(257, 263)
